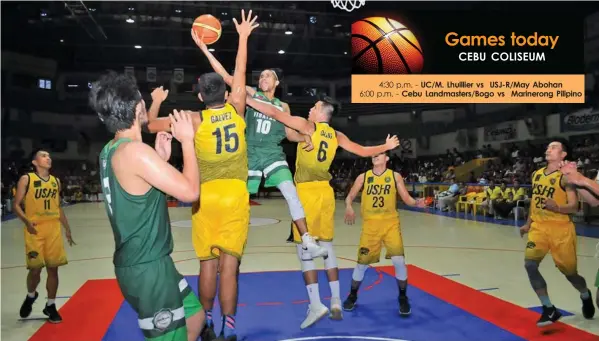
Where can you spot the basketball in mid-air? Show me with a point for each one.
(385, 46)
(208, 27)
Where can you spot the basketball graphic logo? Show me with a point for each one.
(385, 46)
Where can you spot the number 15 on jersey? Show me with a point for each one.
(231, 139)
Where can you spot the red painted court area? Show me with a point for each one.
(441, 310)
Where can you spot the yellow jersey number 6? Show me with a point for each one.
(322, 151)
(230, 136)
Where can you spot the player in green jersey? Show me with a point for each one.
(265, 154)
(135, 179)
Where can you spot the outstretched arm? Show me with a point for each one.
(159, 95)
(587, 189)
(164, 123)
(216, 65)
(294, 122)
(354, 148)
(238, 87)
(158, 173)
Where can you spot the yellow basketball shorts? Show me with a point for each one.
(220, 221)
(318, 200)
(559, 238)
(375, 234)
(46, 248)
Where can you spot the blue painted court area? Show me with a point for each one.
(582, 229)
(273, 304)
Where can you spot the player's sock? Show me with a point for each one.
(313, 294)
(31, 294)
(50, 301)
(335, 289)
(228, 325)
(402, 292)
(585, 295)
(209, 321)
(545, 301)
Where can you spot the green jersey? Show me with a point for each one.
(140, 223)
(263, 131)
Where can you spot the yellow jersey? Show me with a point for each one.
(547, 186)
(495, 193)
(220, 145)
(516, 194)
(379, 196)
(42, 199)
(314, 165)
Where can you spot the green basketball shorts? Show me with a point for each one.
(160, 296)
(268, 162)
(597, 279)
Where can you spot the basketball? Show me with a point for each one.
(385, 46)
(209, 27)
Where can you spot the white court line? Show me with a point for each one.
(372, 338)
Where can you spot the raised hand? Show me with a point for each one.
(163, 145)
(199, 41)
(392, 142)
(159, 94)
(246, 26)
(182, 126)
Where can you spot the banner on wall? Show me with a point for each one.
(501, 132)
(407, 148)
(581, 120)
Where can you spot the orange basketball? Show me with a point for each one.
(209, 27)
(385, 46)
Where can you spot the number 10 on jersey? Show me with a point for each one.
(263, 126)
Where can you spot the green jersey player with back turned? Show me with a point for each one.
(265, 153)
(135, 180)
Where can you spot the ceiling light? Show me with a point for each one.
(288, 32)
(92, 9)
(178, 10)
(73, 86)
(132, 8)
(130, 20)
(281, 52)
(345, 52)
(62, 40)
(211, 50)
(43, 14)
(137, 46)
(337, 25)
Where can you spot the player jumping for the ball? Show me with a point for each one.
(316, 194)
(265, 154)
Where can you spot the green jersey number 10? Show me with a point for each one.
(263, 126)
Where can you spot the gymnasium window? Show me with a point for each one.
(45, 84)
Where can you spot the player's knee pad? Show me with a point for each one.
(359, 271)
(536, 279)
(290, 193)
(331, 261)
(401, 270)
(305, 259)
